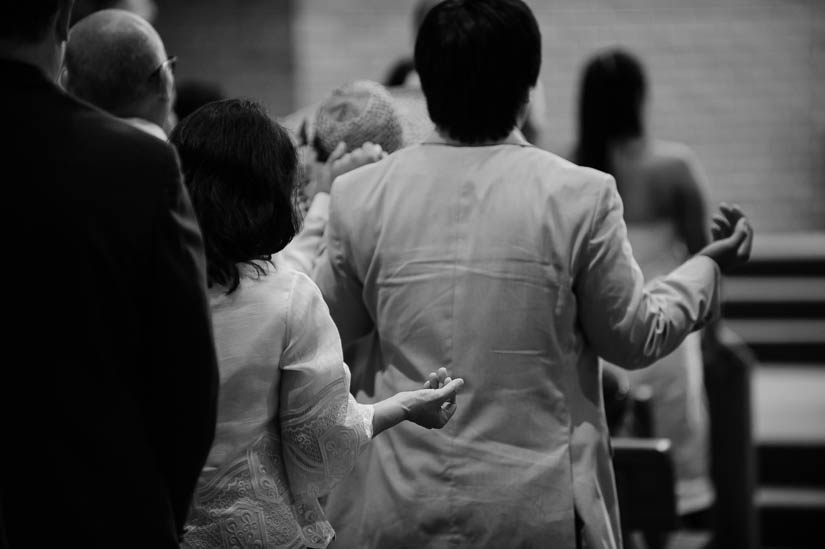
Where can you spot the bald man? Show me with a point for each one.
(116, 61)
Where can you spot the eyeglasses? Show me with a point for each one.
(170, 62)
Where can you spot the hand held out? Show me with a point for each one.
(433, 406)
(732, 238)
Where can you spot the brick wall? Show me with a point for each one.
(742, 82)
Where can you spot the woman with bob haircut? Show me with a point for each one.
(510, 264)
(288, 428)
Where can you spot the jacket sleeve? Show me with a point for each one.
(625, 321)
(323, 428)
(182, 369)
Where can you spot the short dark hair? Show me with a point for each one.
(612, 93)
(25, 20)
(240, 168)
(477, 60)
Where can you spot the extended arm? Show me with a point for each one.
(624, 321)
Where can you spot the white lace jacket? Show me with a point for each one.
(288, 429)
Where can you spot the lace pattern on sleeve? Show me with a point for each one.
(322, 439)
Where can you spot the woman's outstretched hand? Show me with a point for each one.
(431, 407)
(435, 404)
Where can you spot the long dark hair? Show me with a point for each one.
(240, 168)
(611, 97)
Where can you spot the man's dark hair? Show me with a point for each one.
(26, 20)
(240, 169)
(477, 60)
(611, 96)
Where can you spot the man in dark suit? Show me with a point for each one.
(109, 380)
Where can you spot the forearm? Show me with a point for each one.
(628, 322)
(388, 413)
(666, 312)
(431, 407)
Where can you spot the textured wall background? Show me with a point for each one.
(742, 82)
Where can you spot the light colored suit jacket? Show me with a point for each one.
(511, 267)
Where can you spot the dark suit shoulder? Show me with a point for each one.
(99, 134)
(105, 148)
(48, 128)
(84, 167)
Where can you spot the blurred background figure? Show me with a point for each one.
(193, 94)
(663, 192)
(116, 61)
(354, 114)
(356, 125)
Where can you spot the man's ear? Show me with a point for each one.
(64, 18)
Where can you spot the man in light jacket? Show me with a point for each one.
(511, 266)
